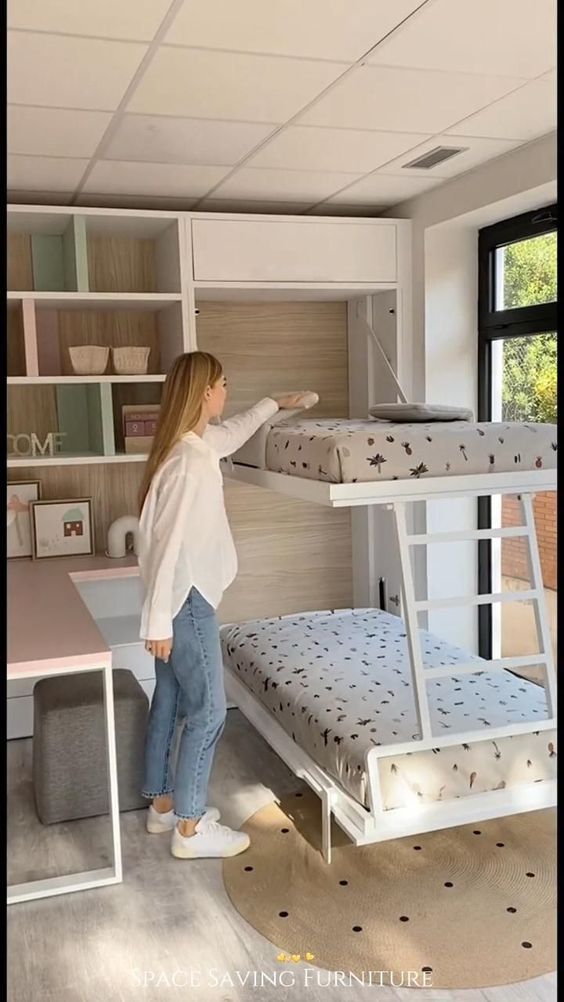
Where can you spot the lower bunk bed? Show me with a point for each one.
(333, 695)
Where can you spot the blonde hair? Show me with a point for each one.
(181, 407)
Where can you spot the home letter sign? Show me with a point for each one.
(30, 445)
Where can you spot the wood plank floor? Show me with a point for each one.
(168, 915)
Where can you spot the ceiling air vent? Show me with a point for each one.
(434, 157)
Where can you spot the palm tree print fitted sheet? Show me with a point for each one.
(339, 683)
(340, 451)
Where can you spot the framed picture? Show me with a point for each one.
(20, 495)
(62, 528)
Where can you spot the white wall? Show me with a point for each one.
(451, 279)
(445, 224)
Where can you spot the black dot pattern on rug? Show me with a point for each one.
(527, 945)
(249, 868)
(512, 910)
(417, 847)
(404, 918)
(477, 832)
(299, 794)
(343, 883)
(448, 883)
(500, 845)
(529, 874)
(357, 928)
(284, 830)
(427, 970)
(283, 914)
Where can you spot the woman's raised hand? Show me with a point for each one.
(291, 401)
(159, 648)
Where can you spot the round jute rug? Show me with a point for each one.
(474, 906)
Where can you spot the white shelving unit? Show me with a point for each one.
(109, 276)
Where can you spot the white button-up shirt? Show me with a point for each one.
(184, 536)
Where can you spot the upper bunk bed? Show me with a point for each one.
(339, 462)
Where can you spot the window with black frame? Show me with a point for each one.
(517, 340)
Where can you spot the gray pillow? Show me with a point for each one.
(404, 413)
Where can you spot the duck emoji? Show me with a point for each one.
(282, 957)
(295, 958)
(310, 956)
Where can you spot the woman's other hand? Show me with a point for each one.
(291, 401)
(159, 648)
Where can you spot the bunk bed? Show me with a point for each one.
(397, 731)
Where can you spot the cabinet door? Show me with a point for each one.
(278, 251)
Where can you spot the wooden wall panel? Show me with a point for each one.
(15, 354)
(32, 408)
(119, 264)
(269, 348)
(117, 328)
(20, 272)
(292, 555)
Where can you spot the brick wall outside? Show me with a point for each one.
(513, 551)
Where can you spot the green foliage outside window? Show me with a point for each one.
(529, 363)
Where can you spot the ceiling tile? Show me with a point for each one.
(203, 84)
(477, 151)
(248, 205)
(525, 114)
(508, 37)
(310, 148)
(176, 204)
(183, 140)
(282, 185)
(44, 173)
(117, 177)
(55, 131)
(373, 97)
(382, 189)
(68, 72)
(135, 19)
(324, 29)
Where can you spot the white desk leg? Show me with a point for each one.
(33, 889)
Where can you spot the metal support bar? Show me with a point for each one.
(539, 603)
(474, 667)
(412, 625)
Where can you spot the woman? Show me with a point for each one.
(187, 559)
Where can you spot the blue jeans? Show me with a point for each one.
(190, 683)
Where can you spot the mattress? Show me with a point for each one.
(339, 683)
(342, 451)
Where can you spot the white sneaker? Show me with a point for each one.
(210, 839)
(158, 821)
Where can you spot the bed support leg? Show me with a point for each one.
(326, 824)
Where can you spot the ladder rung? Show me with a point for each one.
(420, 539)
(473, 667)
(462, 600)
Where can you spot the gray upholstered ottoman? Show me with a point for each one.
(70, 773)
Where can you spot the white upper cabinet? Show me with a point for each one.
(256, 250)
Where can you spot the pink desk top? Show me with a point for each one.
(49, 626)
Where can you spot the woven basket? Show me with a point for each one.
(130, 361)
(89, 359)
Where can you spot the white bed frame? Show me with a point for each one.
(377, 824)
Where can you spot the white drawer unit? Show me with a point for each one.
(294, 251)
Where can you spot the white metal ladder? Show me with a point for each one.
(421, 675)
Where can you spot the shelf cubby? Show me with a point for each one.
(119, 326)
(15, 346)
(80, 414)
(133, 254)
(129, 394)
(47, 253)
